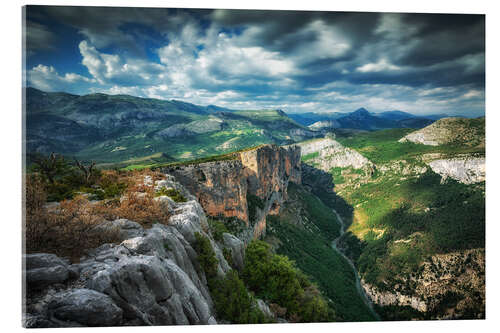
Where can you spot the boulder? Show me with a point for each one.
(44, 269)
(84, 307)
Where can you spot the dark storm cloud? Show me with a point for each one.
(248, 58)
(444, 37)
(284, 30)
(38, 37)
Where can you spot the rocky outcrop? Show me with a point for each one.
(152, 277)
(332, 154)
(467, 132)
(44, 269)
(223, 187)
(325, 125)
(467, 170)
(446, 286)
(384, 298)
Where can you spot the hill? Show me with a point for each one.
(416, 218)
(116, 128)
(461, 131)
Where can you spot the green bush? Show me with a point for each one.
(276, 279)
(173, 193)
(231, 298)
(228, 255)
(254, 202)
(234, 303)
(217, 228)
(206, 256)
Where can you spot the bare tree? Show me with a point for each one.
(51, 166)
(87, 170)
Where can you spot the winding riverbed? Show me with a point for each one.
(359, 288)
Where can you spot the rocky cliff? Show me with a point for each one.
(248, 188)
(467, 170)
(332, 154)
(152, 277)
(446, 286)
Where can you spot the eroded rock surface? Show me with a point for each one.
(223, 187)
(468, 132)
(332, 154)
(446, 286)
(467, 170)
(152, 278)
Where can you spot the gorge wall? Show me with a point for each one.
(247, 188)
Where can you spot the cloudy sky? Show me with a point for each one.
(295, 61)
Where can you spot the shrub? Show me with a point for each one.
(67, 230)
(142, 208)
(50, 168)
(253, 202)
(206, 257)
(228, 255)
(234, 303)
(217, 228)
(276, 279)
(173, 193)
(231, 298)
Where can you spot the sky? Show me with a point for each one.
(297, 61)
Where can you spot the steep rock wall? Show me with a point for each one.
(467, 170)
(223, 187)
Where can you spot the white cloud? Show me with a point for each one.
(47, 78)
(111, 68)
(380, 66)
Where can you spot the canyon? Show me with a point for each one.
(223, 188)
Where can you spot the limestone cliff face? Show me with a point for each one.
(467, 170)
(223, 187)
(220, 187)
(331, 154)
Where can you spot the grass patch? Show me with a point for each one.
(310, 156)
(337, 175)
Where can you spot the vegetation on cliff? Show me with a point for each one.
(402, 215)
(304, 232)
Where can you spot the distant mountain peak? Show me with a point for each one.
(361, 112)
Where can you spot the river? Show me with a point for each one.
(359, 288)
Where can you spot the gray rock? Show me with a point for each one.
(264, 308)
(332, 154)
(84, 307)
(127, 228)
(152, 278)
(467, 170)
(43, 269)
(237, 248)
(167, 203)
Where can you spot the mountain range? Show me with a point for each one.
(116, 128)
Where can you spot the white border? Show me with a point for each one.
(10, 186)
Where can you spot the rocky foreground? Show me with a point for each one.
(152, 277)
